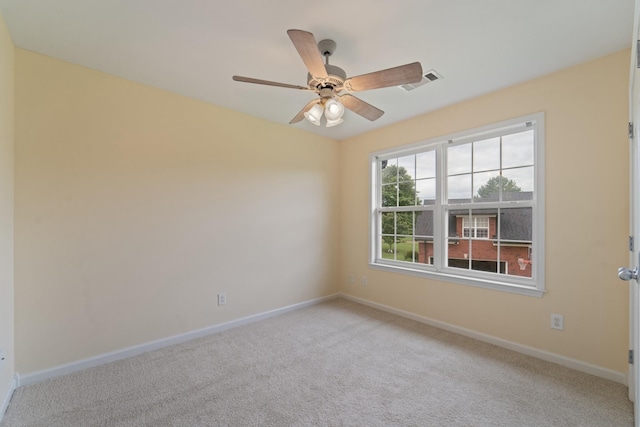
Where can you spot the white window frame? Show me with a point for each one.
(473, 227)
(532, 286)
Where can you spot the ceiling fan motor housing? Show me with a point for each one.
(336, 75)
(336, 78)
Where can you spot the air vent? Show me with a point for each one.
(428, 77)
(432, 75)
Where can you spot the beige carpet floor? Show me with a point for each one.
(333, 364)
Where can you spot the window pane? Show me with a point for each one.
(416, 245)
(388, 247)
(459, 188)
(486, 186)
(425, 253)
(407, 168)
(457, 245)
(404, 223)
(518, 184)
(486, 155)
(413, 255)
(514, 240)
(426, 191)
(484, 256)
(404, 248)
(459, 159)
(407, 250)
(388, 223)
(387, 239)
(426, 165)
(517, 149)
(389, 171)
(407, 193)
(423, 225)
(389, 195)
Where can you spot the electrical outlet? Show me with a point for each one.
(352, 278)
(222, 299)
(557, 321)
(365, 281)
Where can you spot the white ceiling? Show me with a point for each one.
(193, 47)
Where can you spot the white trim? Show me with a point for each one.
(619, 377)
(425, 271)
(505, 127)
(35, 377)
(8, 395)
(634, 212)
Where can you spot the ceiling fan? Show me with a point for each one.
(332, 85)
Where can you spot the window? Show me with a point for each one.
(466, 208)
(475, 226)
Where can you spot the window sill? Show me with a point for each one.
(461, 280)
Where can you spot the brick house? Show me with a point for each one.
(473, 242)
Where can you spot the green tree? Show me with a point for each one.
(398, 189)
(496, 183)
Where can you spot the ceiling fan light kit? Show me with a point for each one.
(331, 123)
(333, 110)
(314, 114)
(329, 82)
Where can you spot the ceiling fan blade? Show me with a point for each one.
(300, 115)
(358, 106)
(307, 48)
(409, 73)
(267, 82)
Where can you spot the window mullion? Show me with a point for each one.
(395, 236)
(440, 226)
(377, 236)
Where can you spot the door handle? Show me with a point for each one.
(628, 274)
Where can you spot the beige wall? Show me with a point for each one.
(135, 207)
(6, 207)
(586, 217)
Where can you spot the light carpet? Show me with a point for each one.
(332, 364)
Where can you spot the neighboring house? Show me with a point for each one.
(474, 241)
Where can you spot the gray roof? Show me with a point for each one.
(424, 225)
(515, 223)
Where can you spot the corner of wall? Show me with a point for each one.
(7, 139)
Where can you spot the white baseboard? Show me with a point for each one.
(619, 377)
(34, 377)
(6, 398)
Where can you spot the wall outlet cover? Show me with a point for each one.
(557, 321)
